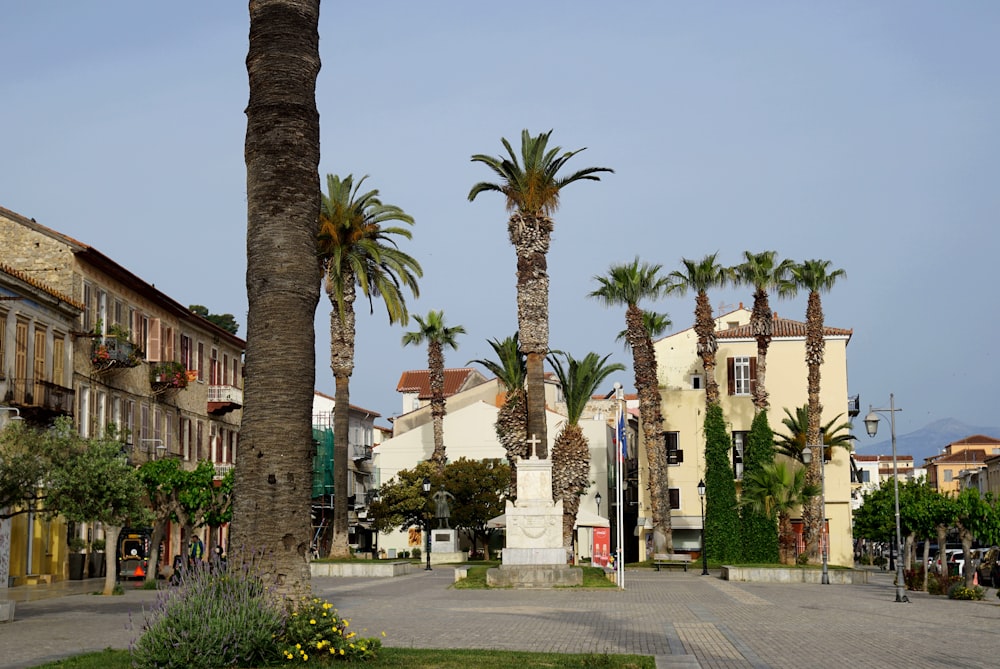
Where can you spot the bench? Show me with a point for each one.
(671, 560)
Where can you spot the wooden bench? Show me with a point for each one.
(671, 560)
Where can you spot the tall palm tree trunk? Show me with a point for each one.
(812, 513)
(342, 337)
(530, 236)
(274, 471)
(435, 357)
(707, 345)
(762, 325)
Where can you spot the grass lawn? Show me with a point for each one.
(413, 658)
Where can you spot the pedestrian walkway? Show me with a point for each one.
(683, 619)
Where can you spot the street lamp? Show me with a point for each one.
(806, 459)
(704, 555)
(597, 498)
(427, 524)
(15, 411)
(871, 425)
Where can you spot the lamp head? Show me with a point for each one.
(871, 423)
(597, 498)
(701, 488)
(427, 484)
(807, 455)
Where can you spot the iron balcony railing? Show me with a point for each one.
(228, 394)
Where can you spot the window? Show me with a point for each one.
(186, 353)
(88, 307)
(865, 476)
(20, 361)
(675, 497)
(675, 455)
(199, 453)
(100, 413)
(739, 445)
(3, 345)
(948, 475)
(201, 361)
(696, 382)
(741, 374)
(38, 364)
(58, 359)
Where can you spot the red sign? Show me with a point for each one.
(602, 547)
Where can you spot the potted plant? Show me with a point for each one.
(77, 558)
(97, 560)
(170, 374)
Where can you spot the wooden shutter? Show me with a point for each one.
(153, 349)
(753, 376)
(731, 375)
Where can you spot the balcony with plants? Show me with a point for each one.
(113, 349)
(170, 375)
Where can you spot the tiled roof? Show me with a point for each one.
(355, 407)
(963, 456)
(419, 381)
(31, 281)
(975, 439)
(882, 458)
(783, 327)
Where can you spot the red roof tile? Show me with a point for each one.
(419, 381)
(783, 327)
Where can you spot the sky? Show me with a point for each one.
(863, 133)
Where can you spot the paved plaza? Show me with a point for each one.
(682, 618)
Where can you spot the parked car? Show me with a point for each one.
(988, 569)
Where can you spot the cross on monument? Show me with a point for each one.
(534, 441)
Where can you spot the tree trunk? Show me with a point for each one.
(273, 480)
(707, 345)
(342, 338)
(111, 533)
(435, 363)
(762, 322)
(811, 520)
(154, 550)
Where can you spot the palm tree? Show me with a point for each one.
(701, 277)
(282, 158)
(512, 418)
(532, 192)
(792, 443)
(776, 490)
(357, 251)
(627, 285)
(571, 451)
(763, 272)
(438, 336)
(655, 324)
(816, 277)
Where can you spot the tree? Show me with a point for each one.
(225, 321)
(571, 450)
(480, 490)
(358, 250)
(532, 193)
(512, 419)
(793, 443)
(701, 277)
(91, 481)
(219, 506)
(655, 324)
(776, 490)
(161, 481)
(816, 277)
(23, 468)
(976, 519)
(273, 475)
(627, 285)
(438, 337)
(758, 530)
(763, 273)
(722, 523)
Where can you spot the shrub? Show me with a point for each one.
(314, 633)
(211, 620)
(914, 578)
(939, 585)
(415, 553)
(960, 591)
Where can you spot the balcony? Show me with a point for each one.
(108, 354)
(167, 376)
(854, 405)
(223, 399)
(41, 400)
(361, 452)
(221, 470)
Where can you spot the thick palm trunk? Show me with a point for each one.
(811, 514)
(435, 362)
(570, 475)
(511, 429)
(530, 237)
(762, 326)
(274, 471)
(707, 345)
(342, 337)
(647, 387)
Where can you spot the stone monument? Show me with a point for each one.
(533, 554)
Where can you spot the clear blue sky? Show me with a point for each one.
(860, 132)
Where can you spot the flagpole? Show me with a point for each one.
(619, 493)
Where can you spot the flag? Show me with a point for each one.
(621, 439)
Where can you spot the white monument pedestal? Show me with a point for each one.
(444, 546)
(533, 554)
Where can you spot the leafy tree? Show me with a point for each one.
(532, 191)
(722, 523)
(219, 506)
(274, 479)
(358, 251)
(793, 442)
(438, 337)
(777, 489)
(816, 277)
(161, 481)
(700, 277)
(225, 321)
(627, 285)
(23, 467)
(480, 488)
(571, 451)
(93, 482)
(763, 272)
(512, 420)
(401, 501)
(976, 518)
(758, 530)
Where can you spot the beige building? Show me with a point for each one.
(682, 384)
(960, 459)
(870, 471)
(169, 381)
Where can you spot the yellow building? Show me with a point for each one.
(682, 387)
(944, 470)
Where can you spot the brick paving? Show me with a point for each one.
(683, 619)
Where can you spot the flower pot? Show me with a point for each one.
(96, 565)
(76, 561)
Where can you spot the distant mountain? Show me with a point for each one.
(922, 443)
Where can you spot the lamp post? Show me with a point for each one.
(704, 555)
(806, 459)
(871, 425)
(427, 524)
(597, 498)
(15, 411)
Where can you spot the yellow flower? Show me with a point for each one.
(312, 621)
(383, 633)
(327, 605)
(341, 651)
(298, 646)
